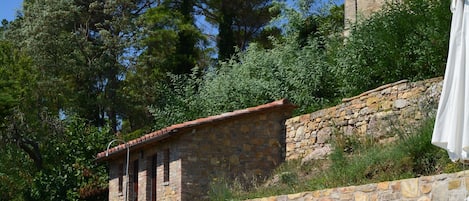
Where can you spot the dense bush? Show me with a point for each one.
(285, 71)
(254, 77)
(404, 41)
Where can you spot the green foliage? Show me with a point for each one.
(70, 169)
(80, 50)
(404, 41)
(295, 66)
(179, 100)
(42, 157)
(169, 39)
(426, 158)
(9, 86)
(258, 76)
(16, 173)
(220, 190)
(67, 169)
(239, 22)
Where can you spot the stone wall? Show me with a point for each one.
(373, 113)
(242, 148)
(442, 187)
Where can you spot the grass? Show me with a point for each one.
(354, 161)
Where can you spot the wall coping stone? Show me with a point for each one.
(374, 90)
(454, 186)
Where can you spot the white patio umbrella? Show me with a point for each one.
(451, 131)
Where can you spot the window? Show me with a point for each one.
(166, 165)
(153, 167)
(120, 175)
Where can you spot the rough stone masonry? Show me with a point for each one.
(373, 113)
(442, 187)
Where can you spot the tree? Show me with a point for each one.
(19, 94)
(43, 157)
(239, 22)
(9, 93)
(81, 47)
(170, 39)
(167, 42)
(70, 172)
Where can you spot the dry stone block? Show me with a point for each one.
(454, 184)
(409, 188)
(371, 100)
(386, 105)
(367, 188)
(374, 197)
(426, 188)
(426, 179)
(440, 191)
(400, 103)
(383, 186)
(300, 132)
(319, 153)
(324, 135)
(345, 190)
(360, 196)
(312, 126)
(346, 197)
(389, 196)
(396, 186)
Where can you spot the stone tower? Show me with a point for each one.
(355, 10)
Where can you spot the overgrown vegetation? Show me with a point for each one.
(313, 67)
(407, 40)
(353, 162)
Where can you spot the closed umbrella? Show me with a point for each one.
(451, 130)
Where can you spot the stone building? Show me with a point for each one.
(180, 161)
(356, 10)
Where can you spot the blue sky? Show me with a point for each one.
(8, 9)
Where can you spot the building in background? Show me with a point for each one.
(181, 161)
(356, 10)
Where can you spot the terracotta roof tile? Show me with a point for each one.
(168, 131)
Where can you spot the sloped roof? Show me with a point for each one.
(174, 129)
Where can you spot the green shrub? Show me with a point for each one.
(255, 77)
(404, 41)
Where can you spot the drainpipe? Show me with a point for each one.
(126, 166)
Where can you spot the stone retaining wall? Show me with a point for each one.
(442, 187)
(373, 113)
